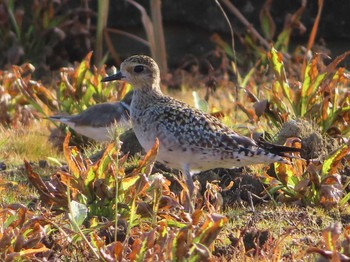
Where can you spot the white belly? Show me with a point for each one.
(97, 133)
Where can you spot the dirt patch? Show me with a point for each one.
(238, 185)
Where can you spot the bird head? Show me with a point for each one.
(140, 71)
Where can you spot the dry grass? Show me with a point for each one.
(30, 142)
(16, 145)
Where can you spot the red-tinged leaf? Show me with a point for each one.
(26, 253)
(135, 249)
(21, 218)
(311, 83)
(151, 238)
(74, 159)
(331, 235)
(325, 109)
(162, 229)
(315, 26)
(249, 112)
(33, 241)
(114, 252)
(35, 179)
(46, 96)
(122, 161)
(141, 185)
(182, 244)
(97, 241)
(302, 186)
(146, 164)
(199, 252)
(293, 142)
(170, 245)
(118, 251)
(103, 164)
(313, 33)
(330, 164)
(95, 79)
(333, 65)
(330, 191)
(102, 190)
(197, 216)
(298, 165)
(144, 209)
(324, 253)
(285, 173)
(19, 242)
(5, 239)
(218, 114)
(127, 183)
(210, 229)
(314, 170)
(276, 59)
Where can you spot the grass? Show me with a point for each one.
(290, 229)
(29, 142)
(24, 143)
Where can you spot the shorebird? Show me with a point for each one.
(97, 121)
(189, 139)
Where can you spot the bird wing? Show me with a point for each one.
(195, 128)
(99, 115)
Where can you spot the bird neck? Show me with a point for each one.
(149, 89)
(144, 97)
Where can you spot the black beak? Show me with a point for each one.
(117, 76)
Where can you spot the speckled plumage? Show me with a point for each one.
(189, 139)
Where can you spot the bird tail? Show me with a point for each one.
(279, 149)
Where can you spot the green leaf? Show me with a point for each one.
(106, 160)
(199, 252)
(128, 182)
(312, 80)
(91, 175)
(80, 73)
(199, 103)
(332, 160)
(278, 67)
(78, 212)
(54, 161)
(344, 200)
(90, 91)
(248, 76)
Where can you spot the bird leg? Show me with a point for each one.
(189, 205)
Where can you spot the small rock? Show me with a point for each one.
(42, 163)
(2, 166)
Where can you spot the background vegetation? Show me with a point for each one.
(59, 204)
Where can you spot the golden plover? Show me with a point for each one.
(189, 139)
(97, 121)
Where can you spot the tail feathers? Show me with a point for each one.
(278, 149)
(59, 118)
(54, 118)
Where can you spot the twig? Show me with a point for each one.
(157, 23)
(245, 22)
(132, 36)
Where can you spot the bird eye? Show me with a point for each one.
(138, 69)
